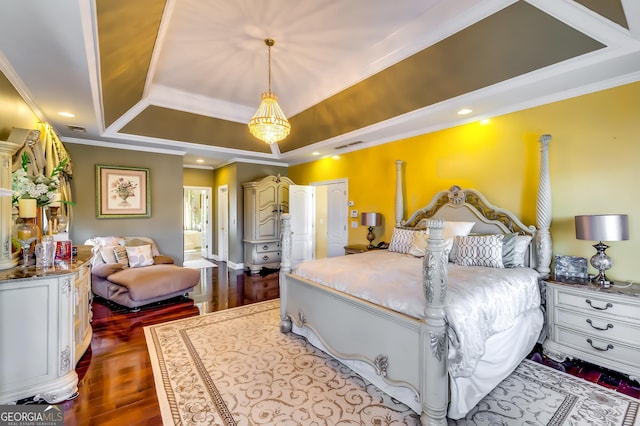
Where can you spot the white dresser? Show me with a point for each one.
(264, 202)
(45, 328)
(594, 324)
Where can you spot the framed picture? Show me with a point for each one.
(123, 192)
(570, 267)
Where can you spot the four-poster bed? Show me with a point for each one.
(437, 332)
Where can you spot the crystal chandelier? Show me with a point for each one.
(269, 123)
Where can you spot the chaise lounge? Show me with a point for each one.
(130, 271)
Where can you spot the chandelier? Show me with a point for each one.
(269, 123)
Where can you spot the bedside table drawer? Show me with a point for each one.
(599, 327)
(600, 305)
(598, 347)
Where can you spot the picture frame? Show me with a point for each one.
(122, 192)
(570, 267)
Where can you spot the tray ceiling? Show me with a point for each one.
(185, 76)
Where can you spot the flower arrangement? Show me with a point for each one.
(123, 189)
(41, 188)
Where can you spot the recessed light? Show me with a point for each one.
(66, 114)
(315, 153)
(464, 111)
(484, 122)
(199, 160)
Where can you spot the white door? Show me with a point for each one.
(337, 218)
(302, 209)
(223, 223)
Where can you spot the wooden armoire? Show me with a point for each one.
(264, 202)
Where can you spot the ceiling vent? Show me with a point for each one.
(348, 145)
(77, 129)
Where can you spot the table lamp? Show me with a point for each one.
(370, 220)
(602, 227)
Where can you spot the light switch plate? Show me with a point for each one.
(354, 213)
(354, 223)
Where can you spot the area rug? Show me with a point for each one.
(198, 264)
(234, 367)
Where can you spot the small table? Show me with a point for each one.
(595, 324)
(355, 248)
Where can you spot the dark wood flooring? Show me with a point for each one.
(116, 380)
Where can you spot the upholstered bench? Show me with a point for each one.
(145, 278)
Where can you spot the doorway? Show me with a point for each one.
(197, 222)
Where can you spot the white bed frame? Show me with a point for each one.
(405, 351)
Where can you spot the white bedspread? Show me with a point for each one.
(480, 301)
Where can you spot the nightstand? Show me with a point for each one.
(355, 248)
(594, 324)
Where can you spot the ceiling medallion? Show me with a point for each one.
(269, 123)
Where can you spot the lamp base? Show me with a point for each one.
(371, 237)
(601, 262)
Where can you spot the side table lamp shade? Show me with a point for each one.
(604, 227)
(370, 220)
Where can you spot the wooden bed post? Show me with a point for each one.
(399, 195)
(543, 209)
(434, 383)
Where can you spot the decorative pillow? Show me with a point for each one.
(401, 240)
(419, 244)
(421, 241)
(509, 250)
(521, 245)
(141, 241)
(139, 256)
(480, 250)
(108, 254)
(454, 229)
(121, 255)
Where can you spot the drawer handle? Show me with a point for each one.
(609, 346)
(265, 257)
(600, 328)
(265, 247)
(609, 305)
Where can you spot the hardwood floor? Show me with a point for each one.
(116, 381)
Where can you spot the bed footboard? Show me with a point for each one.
(404, 351)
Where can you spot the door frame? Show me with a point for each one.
(222, 254)
(208, 216)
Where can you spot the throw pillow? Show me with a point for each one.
(481, 250)
(121, 255)
(419, 244)
(139, 256)
(421, 241)
(401, 240)
(522, 243)
(108, 254)
(454, 229)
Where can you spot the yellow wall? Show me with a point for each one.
(197, 177)
(593, 156)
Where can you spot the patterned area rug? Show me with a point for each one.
(234, 367)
